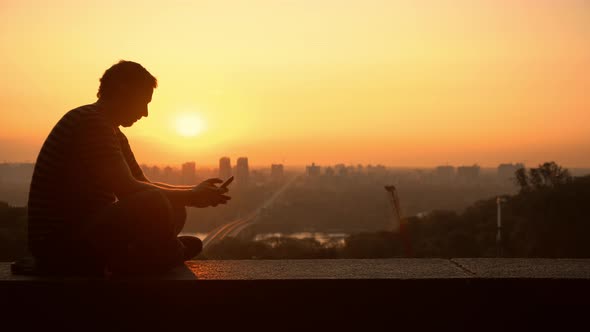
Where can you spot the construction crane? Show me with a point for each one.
(397, 213)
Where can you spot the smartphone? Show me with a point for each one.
(227, 182)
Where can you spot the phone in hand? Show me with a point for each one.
(227, 182)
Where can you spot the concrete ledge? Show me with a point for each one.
(283, 295)
(392, 269)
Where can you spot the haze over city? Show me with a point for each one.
(398, 83)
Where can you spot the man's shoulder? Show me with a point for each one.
(86, 115)
(84, 111)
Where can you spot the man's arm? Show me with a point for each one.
(165, 185)
(106, 153)
(123, 182)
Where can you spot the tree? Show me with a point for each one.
(522, 179)
(548, 174)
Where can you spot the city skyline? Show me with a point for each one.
(229, 168)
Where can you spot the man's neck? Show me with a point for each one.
(106, 109)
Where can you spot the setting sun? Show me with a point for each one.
(189, 124)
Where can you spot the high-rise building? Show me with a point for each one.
(313, 170)
(189, 175)
(224, 168)
(242, 172)
(276, 172)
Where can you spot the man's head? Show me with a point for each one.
(126, 88)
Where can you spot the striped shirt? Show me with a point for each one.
(68, 181)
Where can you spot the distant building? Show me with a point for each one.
(506, 171)
(350, 169)
(341, 169)
(444, 173)
(168, 174)
(377, 170)
(359, 168)
(277, 172)
(145, 168)
(329, 171)
(468, 173)
(242, 172)
(224, 168)
(156, 173)
(189, 175)
(313, 170)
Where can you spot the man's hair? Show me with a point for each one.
(123, 78)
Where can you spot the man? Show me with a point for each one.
(90, 206)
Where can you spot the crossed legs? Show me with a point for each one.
(137, 233)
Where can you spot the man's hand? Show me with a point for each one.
(208, 194)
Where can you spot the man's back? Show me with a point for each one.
(65, 186)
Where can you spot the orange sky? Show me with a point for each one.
(402, 83)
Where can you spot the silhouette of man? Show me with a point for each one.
(91, 207)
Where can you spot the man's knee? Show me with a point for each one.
(135, 213)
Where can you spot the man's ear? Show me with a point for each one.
(121, 91)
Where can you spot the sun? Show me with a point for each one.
(189, 124)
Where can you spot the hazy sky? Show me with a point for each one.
(407, 83)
